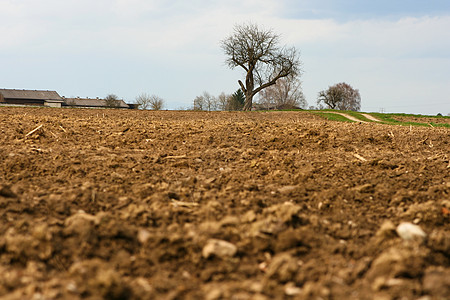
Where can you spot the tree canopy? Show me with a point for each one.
(340, 96)
(153, 102)
(112, 101)
(286, 93)
(258, 53)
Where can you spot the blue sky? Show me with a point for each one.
(395, 52)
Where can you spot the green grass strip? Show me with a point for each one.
(389, 119)
(383, 117)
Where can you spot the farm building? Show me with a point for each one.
(94, 103)
(30, 97)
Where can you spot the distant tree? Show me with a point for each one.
(199, 103)
(222, 101)
(257, 51)
(156, 103)
(236, 101)
(340, 96)
(210, 101)
(152, 102)
(205, 102)
(285, 93)
(112, 101)
(143, 101)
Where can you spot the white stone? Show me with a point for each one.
(219, 248)
(409, 231)
(143, 236)
(291, 290)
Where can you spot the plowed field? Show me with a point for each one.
(121, 204)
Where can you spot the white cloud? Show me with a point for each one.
(397, 64)
(406, 36)
(136, 8)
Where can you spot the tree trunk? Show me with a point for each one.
(248, 102)
(249, 93)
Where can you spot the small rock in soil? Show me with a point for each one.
(287, 189)
(218, 248)
(409, 231)
(291, 290)
(143, 236)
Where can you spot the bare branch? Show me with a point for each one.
(257, 51)
(286, 93)
(152, 102)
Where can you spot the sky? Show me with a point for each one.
(396, 52)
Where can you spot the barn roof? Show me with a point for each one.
(30, 94)
(88, 102)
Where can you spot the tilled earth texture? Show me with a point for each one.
(114, 204)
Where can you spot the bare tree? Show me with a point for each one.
(156, 103)
(143, 101)
(205, 102)
(112, 101)
(210, 101)
(199, 103)
(257, 51)
(222, 101)
(340, 96)
(153, 102)
(286, 93)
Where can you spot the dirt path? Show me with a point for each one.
(349, 117)
(372, 118)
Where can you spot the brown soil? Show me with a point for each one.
(428, 120)
(114, 204)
